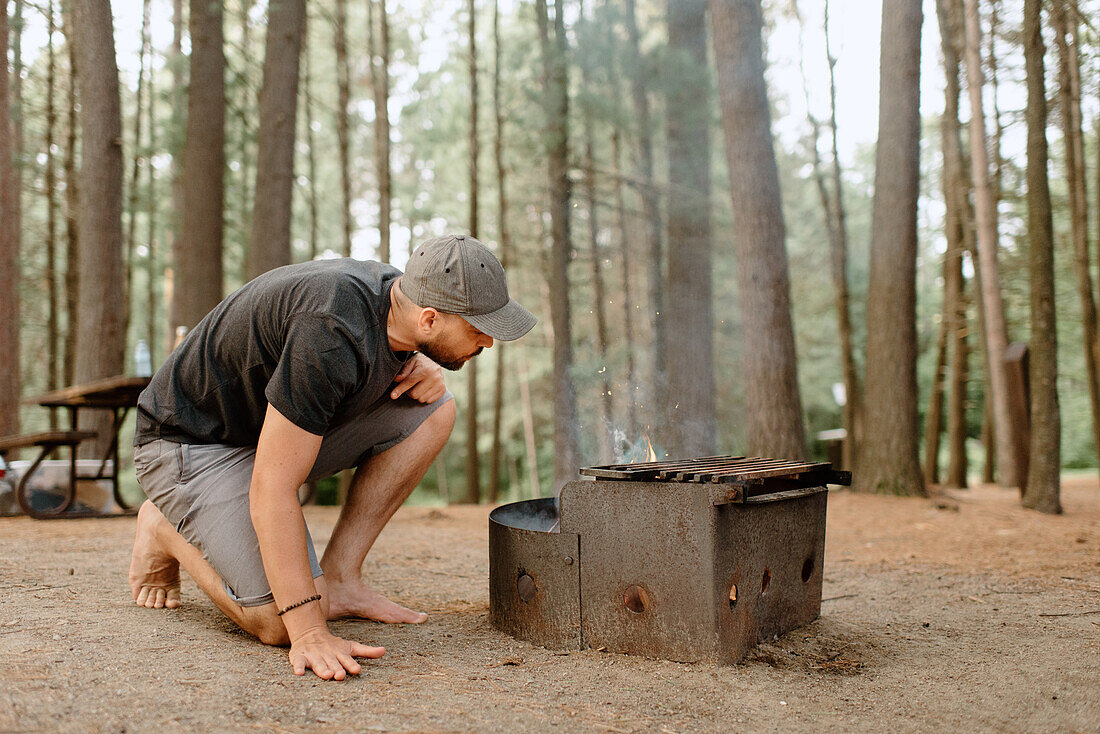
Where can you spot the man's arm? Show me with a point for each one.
(284, 456)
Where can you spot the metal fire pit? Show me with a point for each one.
(688, 560)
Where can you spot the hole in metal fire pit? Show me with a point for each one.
(525, 585)
(636, 599)
(767, 579)
(807, 569)
(733, 596)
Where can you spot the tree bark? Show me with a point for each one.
(1043, 479)
(1069, 93)
(853, 390)
(380, 84)
(556, 107)
(957, 230)
(198, 255)
(269, 245)
(137, 156)
(996, 333)
(53, 335)
(651, 211)
(101, 339)
(773, 404)
(343, 97)
(178, 64)
(497, 452)
(688, 405)
(311, 155)
(887, 459)
(72, 189)
(154, 273)
(9, 252)
(473, 457)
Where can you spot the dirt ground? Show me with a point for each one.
(953, 614)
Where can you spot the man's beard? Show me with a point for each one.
(444, 356)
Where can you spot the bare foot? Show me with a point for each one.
(357, 600)
(154, 575)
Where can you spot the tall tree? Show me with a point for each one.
(53, 325)
(72, 190)
(638, 68)
(1069, 95)
(1043, 481)
(556, 109)
(269, 245)
(9, 252)
(101, 339)
(380, 84)
(504, 233)
(591, 196)
(959, 239)
(887, 459)
(198, 252)
(996, 332)
(137, 157)
(311, 157)
(689, 401)
(473, 457)
(774, 414)
(343, 99)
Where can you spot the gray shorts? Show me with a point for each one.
(203, 488)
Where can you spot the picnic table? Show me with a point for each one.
(115, 394)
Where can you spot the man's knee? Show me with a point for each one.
(443, 418)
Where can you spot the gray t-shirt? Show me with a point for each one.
(309, 339)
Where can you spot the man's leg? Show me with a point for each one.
(159, 553)
(381, 485)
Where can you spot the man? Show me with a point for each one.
(305, 371)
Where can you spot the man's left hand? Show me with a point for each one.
(421, 379)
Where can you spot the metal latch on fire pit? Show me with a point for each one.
(692, 559)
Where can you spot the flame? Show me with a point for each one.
(650, 454)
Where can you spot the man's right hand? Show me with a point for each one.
(328, 656)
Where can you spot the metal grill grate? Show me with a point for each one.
(764, 475)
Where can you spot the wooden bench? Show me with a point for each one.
(47, 441)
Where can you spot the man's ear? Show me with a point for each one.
(428, 320)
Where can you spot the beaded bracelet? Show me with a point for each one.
(295, 605)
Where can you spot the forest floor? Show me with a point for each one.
(957, 613)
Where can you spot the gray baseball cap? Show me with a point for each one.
(458, 274)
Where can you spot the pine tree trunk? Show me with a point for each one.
(53, 335)
(72, 197)
(154, 273)
(599, 298)
(996, 333)
(245, 123)
(343, 99)
(101, 341)
(473, 457)
(887, 459)
(556, 108)
(497, 452)
(637, 68)
(688, 405)
(9, 252)
(198, 255)
(269, 245)
(1069, 94)
(177, 62)
(311, 154)
(631, 388)
(529, 430)
(1043, 479)
(137, 156)
(957, 229)
(773, 413)
(853, 390)
(380, 85)
(933, 418)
